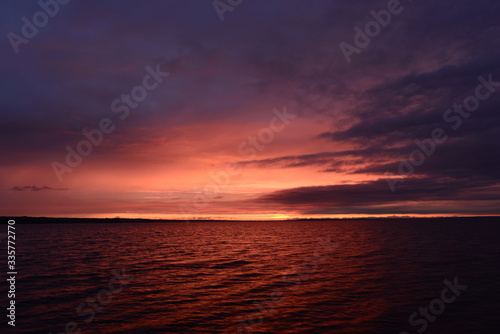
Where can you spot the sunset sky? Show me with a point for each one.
(260, 116)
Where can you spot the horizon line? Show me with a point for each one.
(249, 220)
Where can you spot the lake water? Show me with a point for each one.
(258, 277)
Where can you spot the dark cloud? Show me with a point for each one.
(471, 152)
(35, 188)
(470, 196)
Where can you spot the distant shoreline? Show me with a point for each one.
(62, 220)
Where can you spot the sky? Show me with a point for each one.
(249, 109)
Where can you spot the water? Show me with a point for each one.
(256, 277)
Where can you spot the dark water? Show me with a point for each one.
(257, 277)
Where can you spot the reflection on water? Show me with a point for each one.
(258, 277)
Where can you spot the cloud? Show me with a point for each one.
(35, 188)
(416, 195)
